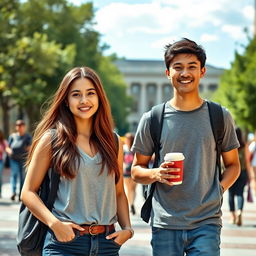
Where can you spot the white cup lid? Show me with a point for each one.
(174, 156)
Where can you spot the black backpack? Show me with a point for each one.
(156, 124)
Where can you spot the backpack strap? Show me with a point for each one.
(54, 178)
(156, 124)
(217, 124)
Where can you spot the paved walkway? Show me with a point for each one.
(236, 241)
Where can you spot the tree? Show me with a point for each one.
(237, 88)
(116, 91)
(49, 37)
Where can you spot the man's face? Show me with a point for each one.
(20, 127)
(185, 72)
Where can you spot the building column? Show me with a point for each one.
(143, 101)
(159, 91)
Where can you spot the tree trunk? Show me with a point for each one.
(6, 115)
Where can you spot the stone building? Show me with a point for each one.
(148, 85)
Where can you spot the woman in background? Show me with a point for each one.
(237, 189)
(3, 145)
(130, 185)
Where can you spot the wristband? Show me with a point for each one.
(130, 229)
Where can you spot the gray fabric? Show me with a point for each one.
(90, 197)
(198, 199)
(19, 145)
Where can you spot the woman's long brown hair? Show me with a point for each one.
(65, 155)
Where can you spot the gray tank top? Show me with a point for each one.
(88, 198)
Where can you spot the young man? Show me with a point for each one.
(186, 218)
(19, 144)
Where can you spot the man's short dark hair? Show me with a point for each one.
(184, 46)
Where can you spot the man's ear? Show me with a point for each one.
(167, 72)
(203, 71)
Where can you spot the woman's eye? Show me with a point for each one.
(76, 95)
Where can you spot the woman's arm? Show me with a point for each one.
(37, 170)
(122, 206)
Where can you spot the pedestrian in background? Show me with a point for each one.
(18, 147)
(237, 189)
(186, 218)
(3, 145)
(130, 185)
(91, 197)
(252, 157)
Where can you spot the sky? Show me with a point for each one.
(136, 29)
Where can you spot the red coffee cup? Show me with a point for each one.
(178, 160)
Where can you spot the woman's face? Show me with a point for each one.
(83, 100)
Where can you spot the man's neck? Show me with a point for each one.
(186, 103)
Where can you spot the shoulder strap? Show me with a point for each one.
(54, 179)
(217, 124)
(156, 125)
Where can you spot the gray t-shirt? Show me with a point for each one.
(198, 199)
(88, 198)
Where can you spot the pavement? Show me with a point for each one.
(236, 241)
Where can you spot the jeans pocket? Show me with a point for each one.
(55, 240)
(115, 243)
(155, 230)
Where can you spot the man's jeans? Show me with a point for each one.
(202, 241)
(17, 170)
(86, 245)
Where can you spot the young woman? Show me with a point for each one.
(237, 189)
(130, 185)
(91, 197)
(3, 145)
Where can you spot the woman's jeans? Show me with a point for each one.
(86, 245)
(17, 170)
(202, 241)
(237, 189)
(1, 175)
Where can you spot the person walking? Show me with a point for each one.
(130, 185)
(186, 218)
(91, 197)
(252, 157)
(17, 149)
(3, 145)
(237, 189)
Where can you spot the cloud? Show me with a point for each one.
(140, 29)
(236, 32)
(205, 38)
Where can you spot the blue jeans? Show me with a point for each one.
(202, 241)
(17, 170)
(237, 189)
(86, 245)
(1, 175)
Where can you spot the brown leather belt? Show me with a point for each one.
(95, 229)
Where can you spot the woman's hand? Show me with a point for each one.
(64, 231)
(121, 236)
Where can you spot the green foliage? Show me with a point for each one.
(237, 88)
(115, 88)
(39, 42)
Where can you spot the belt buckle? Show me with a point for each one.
(90, 229)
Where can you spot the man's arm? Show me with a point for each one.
(232, 168)
(144, 175)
